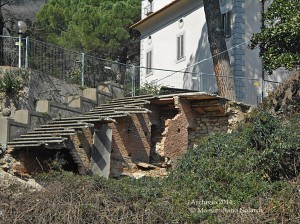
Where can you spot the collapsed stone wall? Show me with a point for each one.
(164, 135)
(176, 133)
(207, 124)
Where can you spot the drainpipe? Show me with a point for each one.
(262, 28)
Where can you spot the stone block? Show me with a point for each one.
(74, 101)
(43, 106)
(90, 93)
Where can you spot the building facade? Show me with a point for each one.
(175, 51)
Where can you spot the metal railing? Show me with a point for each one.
(70, 66)
(87, 70)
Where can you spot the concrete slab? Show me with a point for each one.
(101, 151)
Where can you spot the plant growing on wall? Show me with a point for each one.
(11, 82)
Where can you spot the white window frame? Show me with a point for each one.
(180, 47)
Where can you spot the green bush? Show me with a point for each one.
(240, 167)
(148, 88)
(11, 82)
(276, 144)
(248, 169)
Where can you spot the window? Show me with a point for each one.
(226, 21)
(149, 62)
(180, 47)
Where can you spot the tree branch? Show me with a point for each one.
(1, 5)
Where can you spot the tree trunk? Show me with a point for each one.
(216, 38)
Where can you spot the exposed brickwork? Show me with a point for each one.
(82, 143)
(131, 140)
(175, 136)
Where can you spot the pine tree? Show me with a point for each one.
(221, 61)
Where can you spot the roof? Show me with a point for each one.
(134, 26)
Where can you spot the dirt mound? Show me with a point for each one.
(285, 99)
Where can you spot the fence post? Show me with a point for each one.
(26, 52)
(133, 81)
(82, 69)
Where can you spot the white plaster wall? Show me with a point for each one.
(253, 64)
(253, 67)
(198, 63)
(164, 45)
(158, 4)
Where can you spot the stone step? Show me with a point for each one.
(132, 110)
(113, 108)
(74, 125)
(60, 131)
(82, 118)
(25, 145)
(103, 114)
(49, 129)
(142, 97)
(38, 138)
(61, 121)
(130, 102)
(45, 135)
(33, 142)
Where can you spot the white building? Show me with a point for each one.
(175, 51)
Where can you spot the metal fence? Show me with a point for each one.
(70, 66)
(86, 70)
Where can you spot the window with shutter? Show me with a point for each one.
(226, 21)
(149, 62)
(180, 46)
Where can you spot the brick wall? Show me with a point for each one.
(175, 136)
(131, 141)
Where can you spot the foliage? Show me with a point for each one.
(99, 27)
(277, 146)
(11, 82)
(279, 39)
(148, 88)
(240, 167)
(236, 171)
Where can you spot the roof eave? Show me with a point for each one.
(137, 25)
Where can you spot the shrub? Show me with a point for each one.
(11, 82)
(241, 167)
(148, 88)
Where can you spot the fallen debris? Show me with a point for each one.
(146, 165)
(7, 180)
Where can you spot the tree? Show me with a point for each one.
(280, 37)
(216, 38)
(14, 10)
(99, 27)
(2, 25)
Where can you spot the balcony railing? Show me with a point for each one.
(148, 9)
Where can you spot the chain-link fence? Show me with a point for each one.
(70, 66)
